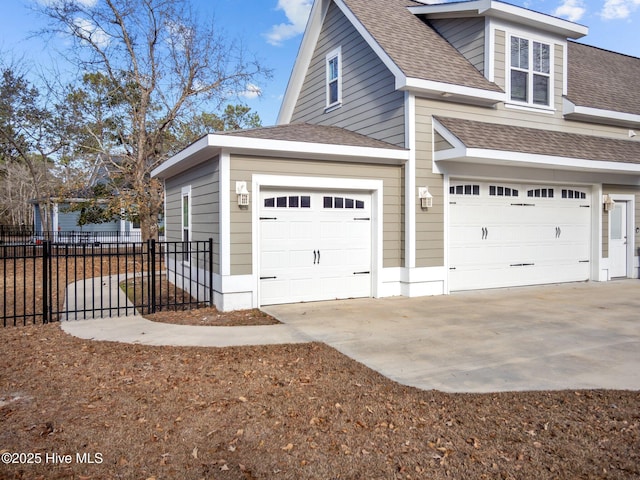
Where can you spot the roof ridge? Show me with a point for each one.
(604, 49)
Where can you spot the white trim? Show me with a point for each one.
(211, 145)
(337, 54)
(303, 60)
(410, 182)
(451, 92)
(573, 111)
(186, 192)
(376, 187)
(531, 108)
(489, 51)
(224, 185)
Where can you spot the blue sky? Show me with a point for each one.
(272, 29)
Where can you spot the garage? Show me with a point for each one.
(503, 234)
(314, 245)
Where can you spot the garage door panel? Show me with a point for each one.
(314, 251)
(507, 241)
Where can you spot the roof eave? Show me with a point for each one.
(504, 11)
(212, 145)
(571, 111)
(450, 92)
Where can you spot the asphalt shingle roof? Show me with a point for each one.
(309, 133)
(602, 79)
(414, 46)
(493, 136)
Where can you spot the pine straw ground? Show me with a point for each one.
(284, 412)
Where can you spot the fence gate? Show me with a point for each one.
(48, 281)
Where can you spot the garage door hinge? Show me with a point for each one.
(361, 273)
(522, 264)
(585, 206)
(523, 204)
(583, 261)
(267, 278)
(268, 218)
(362, 218)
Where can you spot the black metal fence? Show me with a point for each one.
(49, 281)
(22, 235)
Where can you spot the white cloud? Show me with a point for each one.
(251, 91)
(618, 9)
(297, 12)
(572, 10)
(89, 29)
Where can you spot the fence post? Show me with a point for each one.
(211, 303)
(152, 258)
(46, 250)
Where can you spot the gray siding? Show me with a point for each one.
(466, 35)
(204, 180)
(243, 167)
(370, 104)
(68, 222)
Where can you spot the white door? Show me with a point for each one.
(618, 240)
(504, 234)
(314, 246)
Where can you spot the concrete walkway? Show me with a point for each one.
(570, 336)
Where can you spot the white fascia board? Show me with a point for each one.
(212, 145)
(303, 60)
(610, 117)
(451, 92)
(375, 46)
(193, 152)
(288, 148)
(500, 157)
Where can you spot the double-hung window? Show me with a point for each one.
(530, 72)
(334, 78)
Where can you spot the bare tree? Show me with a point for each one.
(157, 63)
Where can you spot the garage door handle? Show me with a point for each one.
(267, 278)
(361, 273)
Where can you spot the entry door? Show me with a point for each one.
(618, 240)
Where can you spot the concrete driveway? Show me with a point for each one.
(569, 336)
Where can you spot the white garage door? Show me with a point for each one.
(314, 246)
(511, 234)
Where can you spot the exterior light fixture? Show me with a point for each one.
(426, 199)
(608, 203)
(243, 194)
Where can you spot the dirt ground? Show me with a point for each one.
(212, 317)
(283, 412)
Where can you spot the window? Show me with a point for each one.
(530, 72)
(498, 191)
(540, 193)
(291, 201)
(341, 202)
(464, 190)
(334, 78)
(186, 222)
(573, 194)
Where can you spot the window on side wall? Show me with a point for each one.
(530, 72)
(334, 78)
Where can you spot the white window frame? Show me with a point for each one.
(530, 71)
(337, 55)
(186, 192)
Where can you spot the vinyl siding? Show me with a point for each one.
(620, 190)
(243, 167)
(370, 104)
(68, 222)
(205, 203)
(466, 35)
(499, 66)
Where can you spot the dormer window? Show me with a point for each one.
(530, 72)
(334, 79)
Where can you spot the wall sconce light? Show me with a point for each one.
(608, 202)
(426, 199)
(243, 194)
